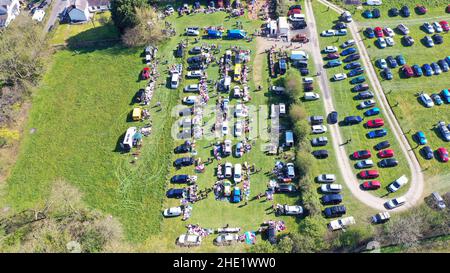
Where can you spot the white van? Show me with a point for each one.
(311, 96)
(175, 80)
(341, 223)
(127, 142)
(237, 173)
(308, 80)
(374, 2)
(228, 170)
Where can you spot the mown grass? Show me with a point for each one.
(346, 105)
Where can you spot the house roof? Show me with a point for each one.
(97, 3)
(78, 4)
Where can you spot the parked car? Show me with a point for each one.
(426, 100)
(192, 88)
(398, 183)
(428, 28)
(377, 133)
(372, 112)
(368, 174)
(444, 65)
(331, 199)
(427, 70)
(356, 72)
(443, 130)
(389, 41)
(386, 153)
(330, 49)
(367, 104)
(339, 77)
(388, 32)
(183, 162)
(382, 145)
(332, 56)
(403, 29)
(352, 65)
(316, 120)
(326, 178)
(370, 33)
(348, 51)
(427, 152)
(428, 41)
(387, 74)
(340, 25)
(396, 202)
(375, 123)
(334, 63)
(438, 39)
(405, 12)
(335, 211)
(436, 69)
(351, 58)
(351, 120)
(445, 94)
(289, 210)
(341, 223)
(318, 129)
(420, 138)
(381, 42)
(182, 178)
(332, 117)
(445, 26)
(347, 43)
(285, 187)
(363, 164)
(175, 193)
(400, 59)
(341, 32)
(371, 185)
(236, 195)
(328, 33)
(189, 240)
(378, 32)
(442, 154)
(192, 31)
(439, 200)
(381, 63)
(437, 27)
(362, 154)
(320, 141)
(359, 79)
(408, 40)
(226, 239)
(376, 13)
(172, 212)
(361, 87)
(364, 95)
(381, 217)
(391, 62)
(417, 70)
(421, 9)
(320, 154)
(407, 71)
(196, 74)
(331, 188)
(367, 14)
(393, 12)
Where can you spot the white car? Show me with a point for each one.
(397, 184)
(326, 178)
(348, 43)
(239, 110)
(428, 28)
(330, 49)
(278, 89)
(172, 212)
(390, 41)
(238, 129)
(228, 170)
(367, 163)
(426, 100)
(189, 240)
(237, 173)
(225, 128)
(292, 210)
(190, 100)
(239, 149)
(328, 33)
(341, 223)
(226, 239)
(366, 104)
(192, 88)
(396, 202)
(227, 147)
(192, 31)
(331, 188)
(340, 77)
(311, 96)
(382, 63)
(237, 92)
(404, 29)
(381, 217)
(389, 32)
(381, 42)
(318, 129)
(437, 27)
(194, 74)
(297, 17)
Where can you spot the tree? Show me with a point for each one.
(149, 29)
(123, 13)
(303, 162)
(404, 231)
(297, 112)
(293, 84)
(301, 128)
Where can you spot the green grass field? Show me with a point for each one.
(346, 106)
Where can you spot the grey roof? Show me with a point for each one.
(96, 3)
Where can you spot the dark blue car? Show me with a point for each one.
(417, 70)
(370, 33)
(333, 199)
(352, 65)
(401, 60)
(372, 112)
(387, 74)
(356, 72)
(334, 63)
(182, 178)
(444, 65)
(175, 193)
(348, 51)
(351, 120)
(351, 58)
(377, 133)
(335, 211)
(427, 70)
(391, 62)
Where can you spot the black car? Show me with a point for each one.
(194, 60)
(304, 71)
(183, 162)
(295, 7)
(405, 12)
(364, 95)
(180, 51)
(444, 65)
(437, 39)
(361, 87)
(183, 148)
(369, 32)
(427, 152)
(196, 66)
(352, 58)
(320, 141)
(393, 12)
(299, 25)
(285, 187)
(376, 13)
(392, 62)
(320, 154)
(387, 74)
(340, 25)
(388, 162)
(182, 178)
(382, 145)
(195, 50)
(334, 211)
(351, 120)
(271, 235)
(332, 117)
(331, 199)
(175, 193)
(316, 120)
(408, 40)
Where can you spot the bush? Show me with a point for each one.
(301, 129)
(297, 113)
(123, 13)
(293, 85)
(303, 162)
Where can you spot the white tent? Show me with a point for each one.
(283, 26)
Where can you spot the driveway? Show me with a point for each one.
(415, 192)
(57, 7)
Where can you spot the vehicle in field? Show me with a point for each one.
(320, 154)
(437, 27)
(407, 71)
(420, 138)
(367, 14)
(367, 104)
(183, 178)
(334, 63)
(226, 239)
(417, 70)
(426, 100)
(376, 13)
(381, 63)
(436, 69)
(348, 51)
(355, 72)
(289, 210)
(364, 95)
(351, 58)
(326, 178)
(347, 43)
(332, 56)
(369, 33)
(444, 65)
(278, 89)
(392, 62)
(333, 117)
(363, 164)
(439, 200)
(361, 87)
(386, 153)
(368, 174)
(308, 96)
(378, 32)
(359, 79)
(381, 42)
(175, 193)
(427, 70)
(382, 145)
(319, 141)
(339, 77)
(362, 154)
(442, 154)
(352, 120)
(445, 94)
(445, 26)
(331, 188)
(335, 211)
(387, 74)
(408, 40)
(398, 183)
(192, 31)
(341, 32)
(189, 240)
(190, 100)
(400, 59)
(428, 41)
(238, 130)
(375, 123)
(341, 223)
(172, 212)
(315, 120)
(371, 185)
(318, 129)
(331, 199)
(404, 11)
(388, 32)
(192, 88)
(438, 39)
(183, 162)
(328, 33)
(377, 133)
(235, 195)
(388, 162)
(285, 187)
(381, 217)
(330, 49)
(396, 202)
(352, 65)
(372, 112)
(427, 152)
(428, 28)
(195, 74)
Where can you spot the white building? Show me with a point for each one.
(272, 28)
(9, 9)
(81, 11)
(283, 27)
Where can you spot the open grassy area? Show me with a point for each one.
(100, 27)
(347, 106)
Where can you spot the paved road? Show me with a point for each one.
(415, 192)
(57, 7)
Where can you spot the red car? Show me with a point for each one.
(369, 174)
(374, 123)
(332, 56)
(294, 11)
(444, 25)
(363, 154)
(378, 32)
(371, 185)
(421, 9)
(407, 71)
(386, 153)
(443, 154)
(146, 73)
